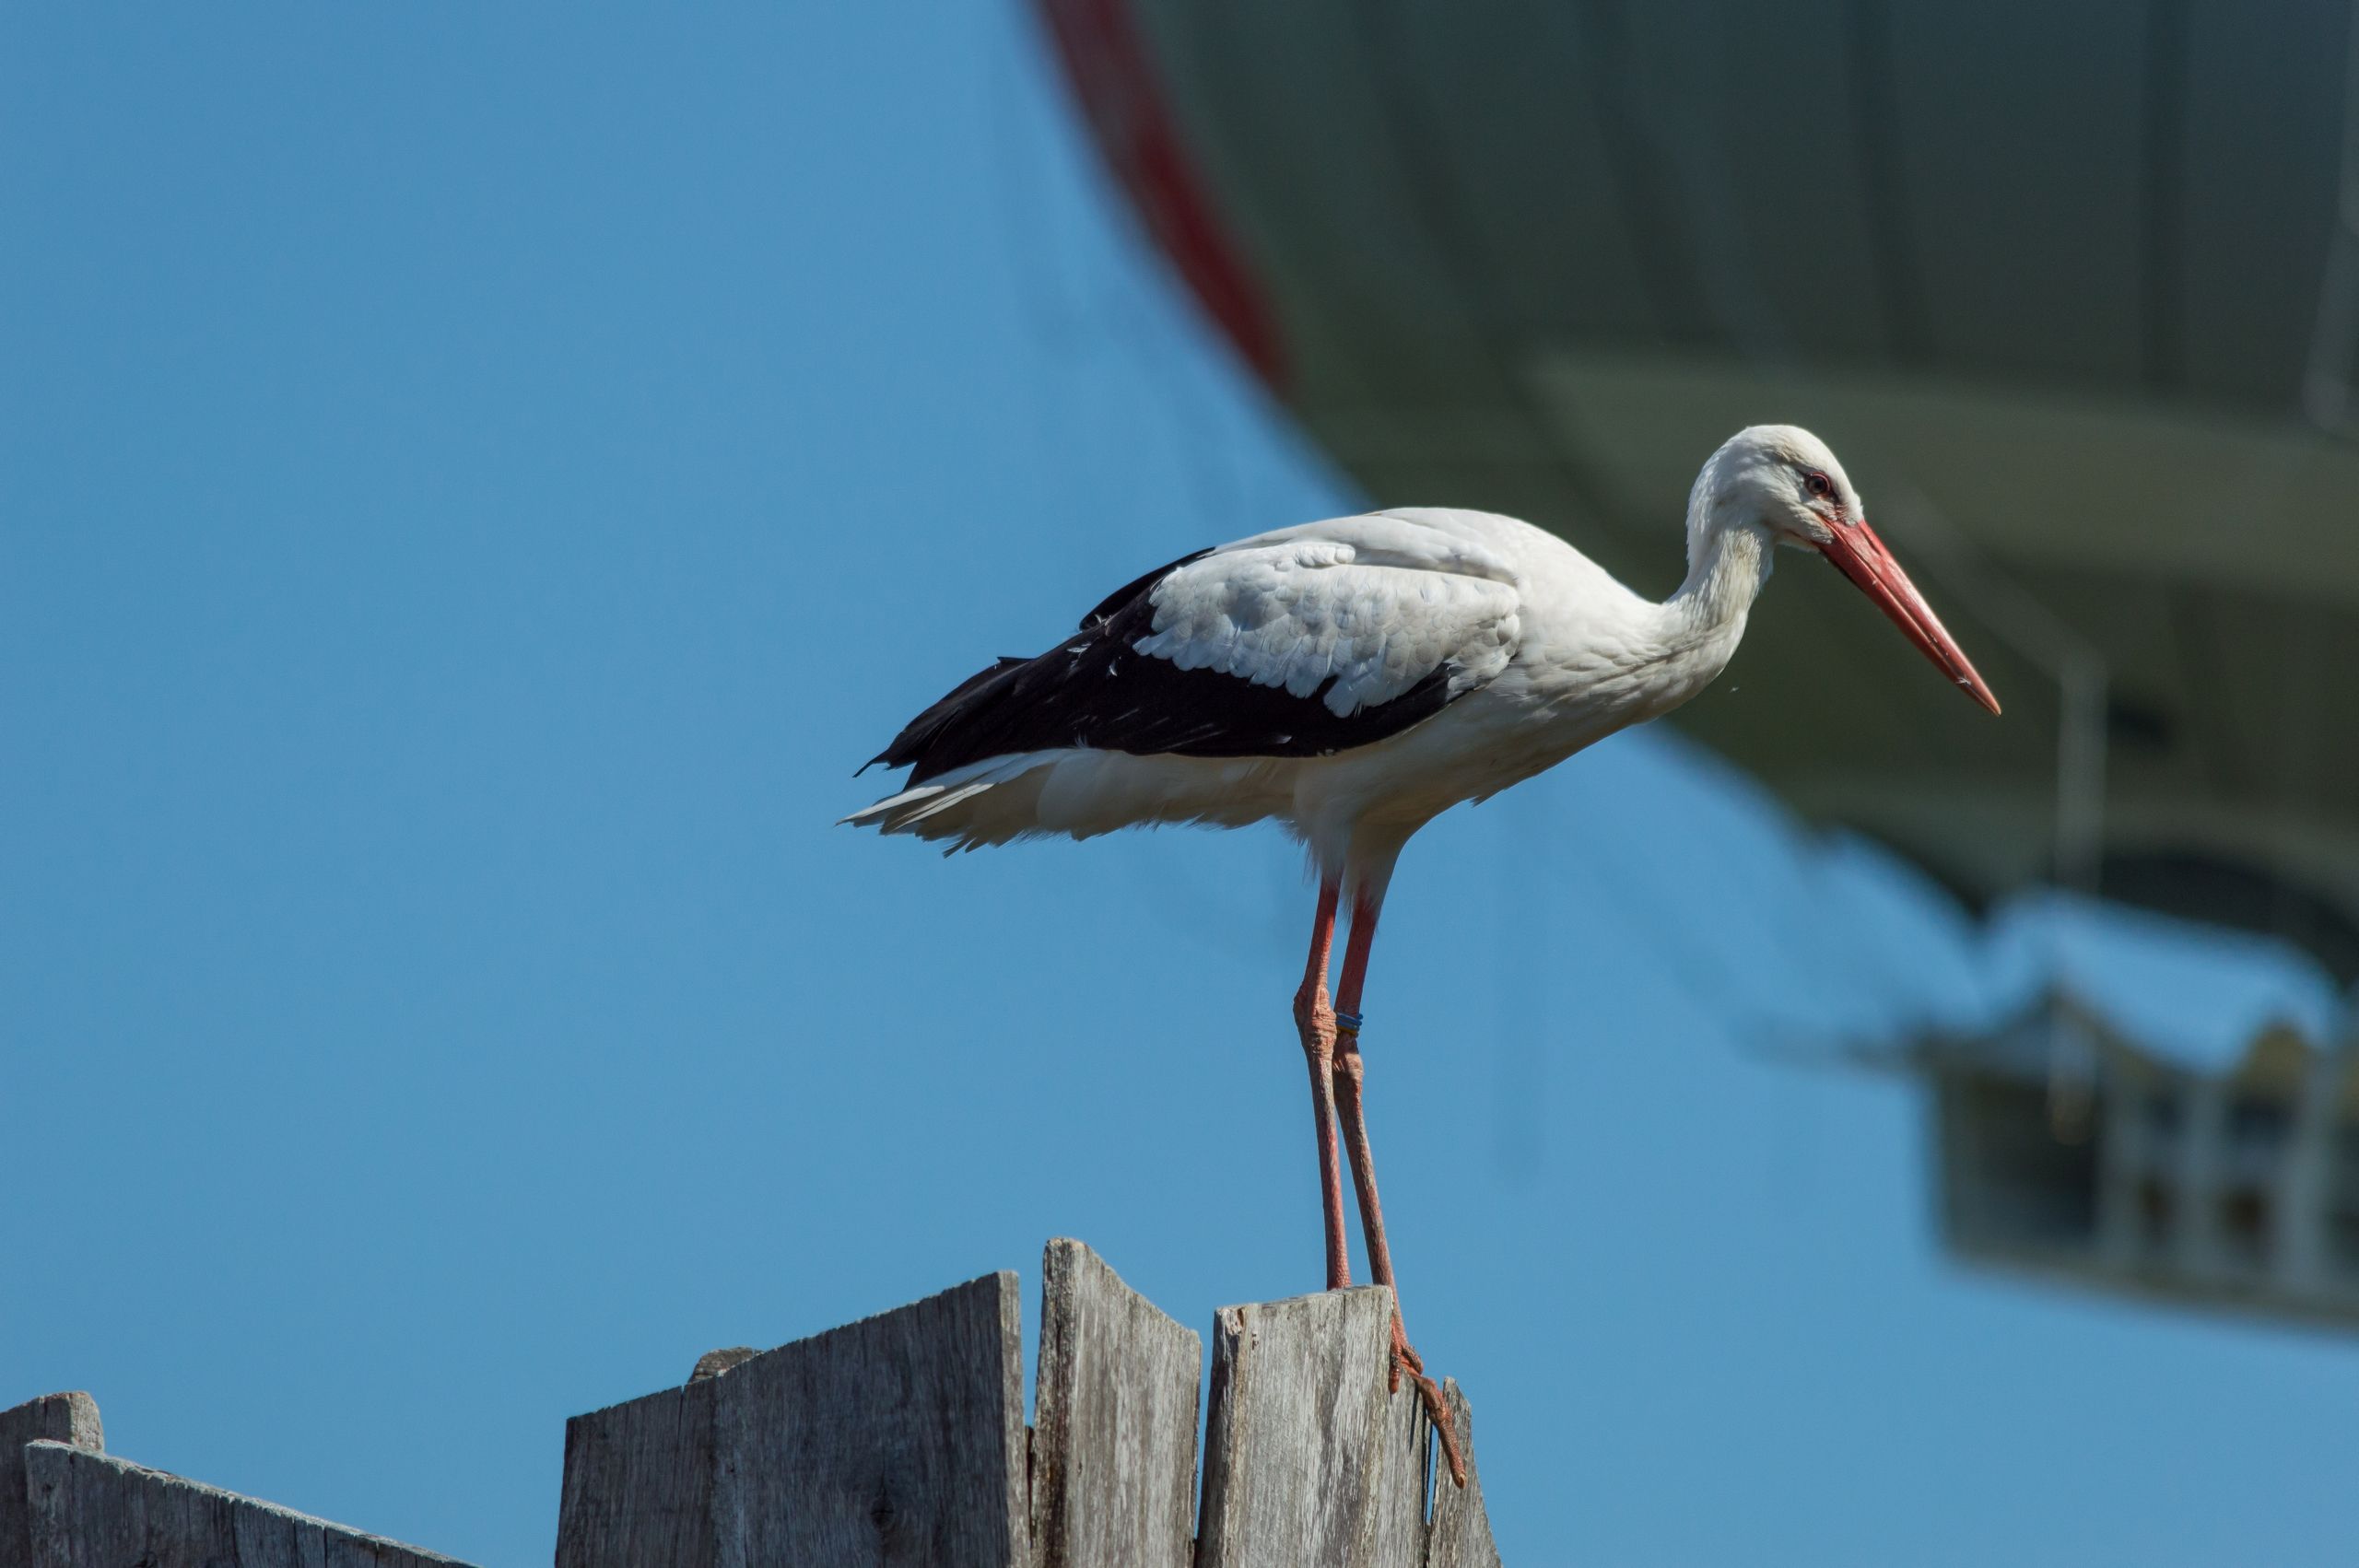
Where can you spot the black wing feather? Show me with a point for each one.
(1097, 690)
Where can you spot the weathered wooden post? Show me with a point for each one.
(900, 1439)
(1307, 1457)
(95, 1511)
(66, 1502)
(53, 1418)
(896, 1439)
(1114, 1439)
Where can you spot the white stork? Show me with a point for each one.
(1353, 679)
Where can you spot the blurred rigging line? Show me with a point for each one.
(1026, 208)
(1634, 893)
(2041, 637)
(1132, 308)
(1045, 295)
(1629, 136)
(1200, 438)
(2161, 195)
(1519, 1079)
(2327, 390)
(1875, 115)
(2082, 682)
(2334, 337)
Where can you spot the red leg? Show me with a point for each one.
(1350, 1075)
(1315, 1020)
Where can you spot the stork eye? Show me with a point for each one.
(1817, 483)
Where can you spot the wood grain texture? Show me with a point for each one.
(93, 1511)
(898, 1440)
(1400, 1477)
(1114, 1433)
(1460, 1534)
(1310, 1462)
(53, 1418)
(638, 1485)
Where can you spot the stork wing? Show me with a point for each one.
(1298, 643)
(1355, 612)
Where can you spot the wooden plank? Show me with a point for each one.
(1398, 1492)
(1114, 1414)
(896, 1440)
(1308, 1461)
(1462, 1529)
(93, 1511)
(638, 1485)
(53, 1418)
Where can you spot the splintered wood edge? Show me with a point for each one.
(1081, 1294)
(79, 1426)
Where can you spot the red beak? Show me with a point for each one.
(1862, 556)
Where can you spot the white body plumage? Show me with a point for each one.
(1354, 678)
(1544, 652)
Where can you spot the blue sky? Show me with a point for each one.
(478, 479)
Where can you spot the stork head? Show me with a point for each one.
(1784, 481)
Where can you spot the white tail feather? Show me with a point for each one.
(1082, 793)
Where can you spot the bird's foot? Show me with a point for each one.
(1428, 1395)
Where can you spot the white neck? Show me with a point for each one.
(1728, 565)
